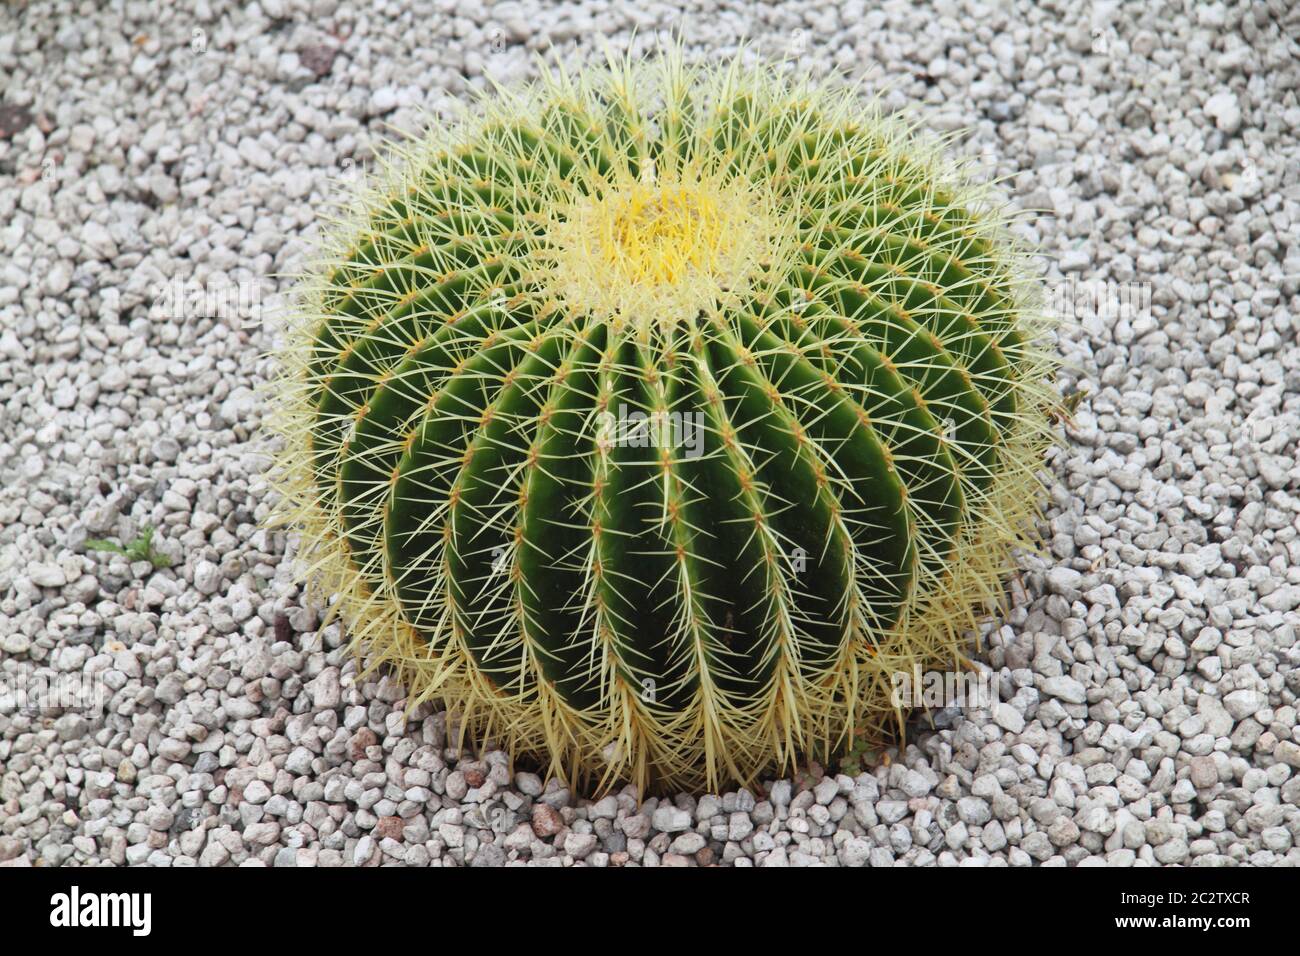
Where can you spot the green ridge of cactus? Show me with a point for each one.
(655, 418)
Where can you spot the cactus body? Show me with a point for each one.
(656, 419)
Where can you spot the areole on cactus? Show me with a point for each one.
(654, 418)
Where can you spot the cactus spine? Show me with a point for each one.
(654, 418)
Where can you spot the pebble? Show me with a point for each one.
(47, 575)
(207, 577)
(547, 821)
(670, 819)
(1065, 688)
(1225, 111)
(1243, 703)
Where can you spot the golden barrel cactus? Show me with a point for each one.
(653, 418)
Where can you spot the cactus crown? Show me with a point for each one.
(654, 418)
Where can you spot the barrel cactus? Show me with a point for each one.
(653, 418)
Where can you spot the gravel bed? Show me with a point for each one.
(160, 167)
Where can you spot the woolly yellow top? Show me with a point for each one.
(653, 252)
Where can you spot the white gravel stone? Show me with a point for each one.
(207, 577)
(47, 575)
(1243, 703)
(670, 820)
(1008, 718)
(1065, 688)
(1225, 111)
